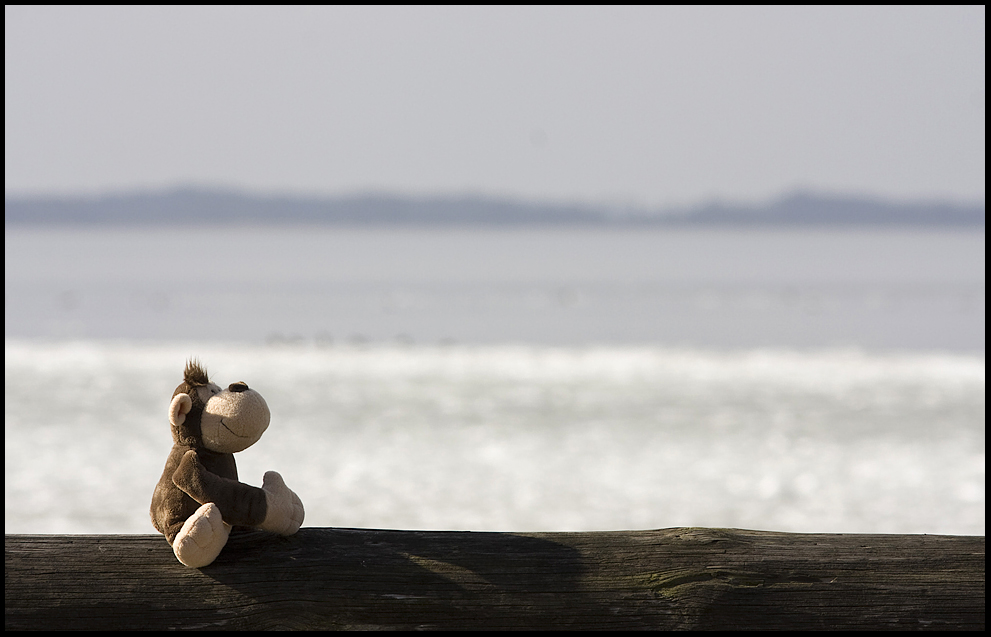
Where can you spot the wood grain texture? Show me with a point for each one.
(326, 578)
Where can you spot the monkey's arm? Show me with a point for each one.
(239, 503)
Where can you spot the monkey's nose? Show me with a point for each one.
(238, 386)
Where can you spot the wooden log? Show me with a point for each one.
(323, 578)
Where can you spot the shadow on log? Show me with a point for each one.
(323, 578)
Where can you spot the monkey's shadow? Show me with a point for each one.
(359, 577)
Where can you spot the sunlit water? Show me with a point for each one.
(518, 438)
(508, 381)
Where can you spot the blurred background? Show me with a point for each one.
(504, 268)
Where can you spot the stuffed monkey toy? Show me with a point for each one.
(199, 497)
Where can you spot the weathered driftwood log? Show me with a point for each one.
(352, 578)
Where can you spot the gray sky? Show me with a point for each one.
(650, 106)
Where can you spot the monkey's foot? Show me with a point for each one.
(285, 510)
(202, 537)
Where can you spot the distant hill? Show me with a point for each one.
(189, 205)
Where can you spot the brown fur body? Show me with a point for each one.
(195, 475)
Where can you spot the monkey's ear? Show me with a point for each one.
(181, 404)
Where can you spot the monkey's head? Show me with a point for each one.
(223, 420)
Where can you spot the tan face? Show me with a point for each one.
(233, 418)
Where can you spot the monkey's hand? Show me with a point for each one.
(285, 510)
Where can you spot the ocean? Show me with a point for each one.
(514, 379)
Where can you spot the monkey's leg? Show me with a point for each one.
(202, 537)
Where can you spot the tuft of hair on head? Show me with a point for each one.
(195, 374)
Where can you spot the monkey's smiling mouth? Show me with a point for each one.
(231, 430)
